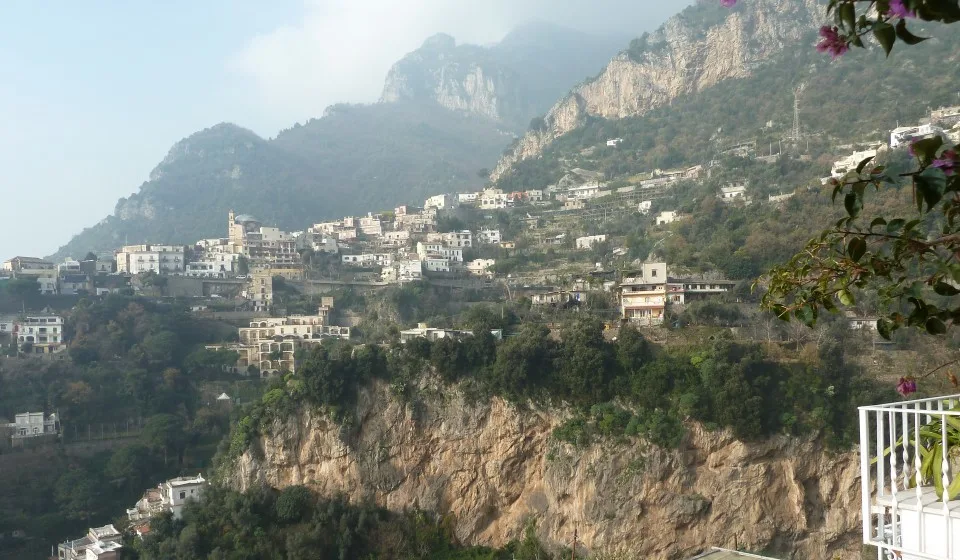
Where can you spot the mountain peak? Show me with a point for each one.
(439, 41)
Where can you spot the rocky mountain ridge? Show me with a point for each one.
(694, 50)
(491, 468)
(509, 82)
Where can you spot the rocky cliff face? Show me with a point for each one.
(492, 467)
(509, 82)
(694, 50)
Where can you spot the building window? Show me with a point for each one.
(183, 495)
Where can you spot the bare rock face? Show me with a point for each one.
(689, 53)
(492, 467)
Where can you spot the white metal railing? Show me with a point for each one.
(902, 513)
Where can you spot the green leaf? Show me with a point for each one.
(894, 225)
(856, 248)
(877, 222)
(945, 289)
(884, 328)
(863, 164)
(935, 326)
(848, 16)
(845, 297)
(904, 35)
(927, 148)
(853, 204)
(886, 36)
(931, 184)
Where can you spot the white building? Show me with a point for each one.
(33, 424)
(372, 225)
(645, 206)
(399, 238)
(906, 134)
(489, 236)
(534, 195)
(491, 199)
(779, 198)
(589, 241)
(612, 143)
(849, 163)
(431, 334)
(736, 191)
(463, 238)
(159, 259)
(367, 259)
(214, 265)
(468, 198)
(666, 217)
(436, 264)
(439, 201)
(100, 543)
(481, 267)
(44, 334)
(439, 250)
(585, 191)
(69, 266)
(177, 492)
(403, 271)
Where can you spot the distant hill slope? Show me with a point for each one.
(438, 124)
(676, 98)
(700, 47)
(511, 81)
(353, 160)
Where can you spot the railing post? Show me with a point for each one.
(918, 481)
(894, 513)
(945, 465)
(865, 474)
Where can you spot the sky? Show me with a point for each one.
(94, 94)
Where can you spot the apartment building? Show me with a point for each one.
(589, 241)
(463, 238)
(159, 259)
(439, 201)
(643, 298)
(100, 543)
(34, 424)
(439, 250)
(489, 236)
(432, 334)
(270, 344)
(40, 334)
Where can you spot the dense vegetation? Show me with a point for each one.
(137, 382)
(293, 524)
(625, 387)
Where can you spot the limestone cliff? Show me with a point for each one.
(509, 82)
(491, 467)
(692, 51)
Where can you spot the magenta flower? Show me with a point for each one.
(728, 3)
(906, 386)
(899, 9)
(832, 42)
(947, 162)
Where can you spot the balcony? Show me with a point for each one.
(903, 477)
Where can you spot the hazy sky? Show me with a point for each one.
(93, 94)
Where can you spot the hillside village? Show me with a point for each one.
(458, 240)
(455, 239)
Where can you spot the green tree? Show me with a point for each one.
(165, 433)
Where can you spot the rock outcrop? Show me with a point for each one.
(694, 50)
(509, 82)
(491, 468)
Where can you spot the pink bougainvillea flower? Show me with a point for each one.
(898, 8)
(727, 3)
(832, 42)
(907, 386)
(947, 162)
